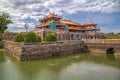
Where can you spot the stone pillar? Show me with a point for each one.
(70, 35)
(61, 37)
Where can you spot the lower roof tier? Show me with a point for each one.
(69, 27)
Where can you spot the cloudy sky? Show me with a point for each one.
(106, 13)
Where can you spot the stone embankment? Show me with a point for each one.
(103, 45)
(33, 51)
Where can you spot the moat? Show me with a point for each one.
(85, 66)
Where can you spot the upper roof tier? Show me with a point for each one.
(45, 21)
(89, 23)
(69, 22)
(51, 15)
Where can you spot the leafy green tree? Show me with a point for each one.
(31, 37)
(112, 36)
(4, 21)
(19, 38)
(38, 39)
(7, 31)
(50, 37)
(28, 37)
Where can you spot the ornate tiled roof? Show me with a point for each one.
(51, 15)
(89, 23)
(69, 22)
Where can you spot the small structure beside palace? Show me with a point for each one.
(67, 29)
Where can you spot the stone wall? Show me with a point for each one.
(14, 48)
(102, 41)
(102, 45)
(31, 51)
(66, 35)
(7, 36)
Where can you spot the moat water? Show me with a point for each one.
(85, 66)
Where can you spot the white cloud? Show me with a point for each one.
(20, 10)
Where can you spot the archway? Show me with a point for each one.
(55, 54)
(110, 53)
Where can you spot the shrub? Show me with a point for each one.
(31, 37)
(50, 37)
(19, 38)
(28, 37)
(38, 38)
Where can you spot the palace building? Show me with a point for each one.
(54, 23)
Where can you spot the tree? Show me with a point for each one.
(7, 31)
(28, 37)
(31, 37)
(4, 21)
(19, 38)
(38, 38)
(112, 36)
(50, 37)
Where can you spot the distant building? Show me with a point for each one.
(54, 23)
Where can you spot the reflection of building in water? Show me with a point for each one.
(66, 29)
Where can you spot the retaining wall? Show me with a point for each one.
(102, 45)
(7, 36)
(32, 51)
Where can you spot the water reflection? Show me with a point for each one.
(1, 56)
(74, 67)
(9, 71)
(111, 56)
(89, 71)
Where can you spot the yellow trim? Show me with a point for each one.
(69, 22)
(74, 28)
